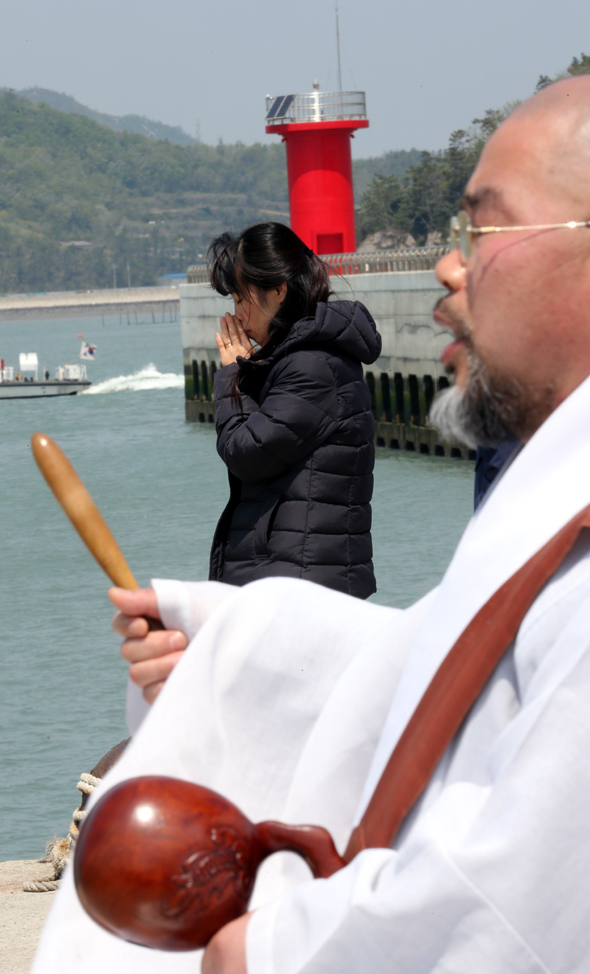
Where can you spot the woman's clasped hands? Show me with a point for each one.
(232, 341)
(151, 653)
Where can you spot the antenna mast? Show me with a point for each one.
(338, 50)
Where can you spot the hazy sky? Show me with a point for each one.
(427, 66)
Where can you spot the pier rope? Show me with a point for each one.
(59, 851)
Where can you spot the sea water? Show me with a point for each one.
(161, 487)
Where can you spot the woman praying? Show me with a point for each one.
(293, 417)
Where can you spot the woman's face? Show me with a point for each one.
(255, 315)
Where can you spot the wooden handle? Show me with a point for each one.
(311, 842)
(81, 510)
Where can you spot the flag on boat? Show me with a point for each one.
(88, 351)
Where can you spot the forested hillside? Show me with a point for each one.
(77, 198)
(82, 205)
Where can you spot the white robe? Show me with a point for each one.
(290, 700)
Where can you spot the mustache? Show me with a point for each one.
(461, 325)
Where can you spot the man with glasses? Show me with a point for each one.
(291, 700)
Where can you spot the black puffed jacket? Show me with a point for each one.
(300, 455)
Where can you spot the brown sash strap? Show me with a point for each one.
(454, 689)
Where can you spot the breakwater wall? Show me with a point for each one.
(402, 382)
(161, 302)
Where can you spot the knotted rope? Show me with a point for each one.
(59, 851)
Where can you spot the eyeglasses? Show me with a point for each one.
(463, 234)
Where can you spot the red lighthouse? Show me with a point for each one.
(317, 128)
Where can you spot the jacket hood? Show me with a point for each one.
(344, 324)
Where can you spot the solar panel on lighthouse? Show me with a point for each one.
(279, 107)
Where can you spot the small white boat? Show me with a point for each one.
(26, 384)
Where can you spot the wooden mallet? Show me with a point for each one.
(77, 503)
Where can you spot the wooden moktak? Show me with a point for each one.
(166, 863)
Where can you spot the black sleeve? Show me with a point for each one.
(299, 412)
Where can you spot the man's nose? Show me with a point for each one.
(451, 270)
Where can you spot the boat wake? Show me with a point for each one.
(146, 378)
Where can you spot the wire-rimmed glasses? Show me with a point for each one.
(463, 233)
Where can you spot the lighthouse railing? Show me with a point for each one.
(315, 106)
(386, 261)
(369, 262)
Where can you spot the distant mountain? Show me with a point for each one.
(126, 123)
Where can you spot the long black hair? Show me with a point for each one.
(264, 256)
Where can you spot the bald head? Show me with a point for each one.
(551, 133)
(568, 101)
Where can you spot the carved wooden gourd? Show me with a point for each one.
(166, 863)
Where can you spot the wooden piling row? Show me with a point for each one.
(399, 403)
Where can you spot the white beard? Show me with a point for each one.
(447, 415)
(484, 412)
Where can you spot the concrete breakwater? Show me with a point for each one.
(402, 382)
(160, 301)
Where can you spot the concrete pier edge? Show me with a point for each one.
(62, 304)
(22, 915)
